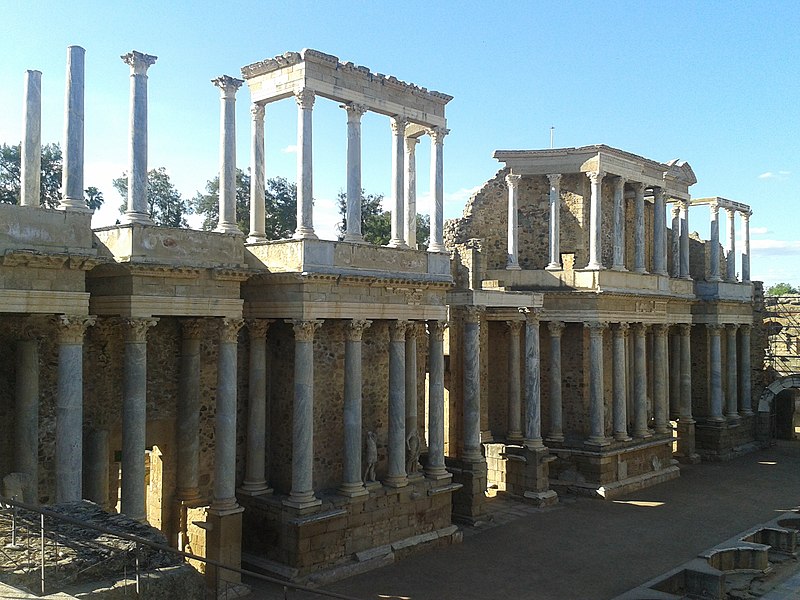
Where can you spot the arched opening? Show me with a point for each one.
(787, 415)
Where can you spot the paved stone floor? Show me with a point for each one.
(592, 549)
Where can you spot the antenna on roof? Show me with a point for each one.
(552, 130)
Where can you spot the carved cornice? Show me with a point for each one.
(229, 330)
(164, 271)
(192, 329)
(305, 98)
(258, 327)
(556, 328)
(136, 329)
(227, 85)
(413, 296)
(34, 260)
(397, 330)
(230, 274)
(304, 330)
(72, 327)
(139, 62)
(354, 330)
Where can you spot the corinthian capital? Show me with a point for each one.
(354, 111)
(436, 329)
(191, 329)
(397, 330)
(437, 134)
(472, 314)
(355, 329)
(596, 177)
(258, 327)
(556, 328)
(257, 112)
(304, 330)
(512, 181)
(136, 329)
(305, 98)
(139, 62)
(227, 85)
(229, 330)
(72, 327)
(398, 124)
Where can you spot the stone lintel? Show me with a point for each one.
(165, 306)
(44, 302)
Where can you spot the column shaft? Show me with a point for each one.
(305, 169)
(597, 433)
(533, 389)
(26, 416)
(352, 484)
(353, 209)
(715, 371)
(675, 241)
(638, 230)
(619, 224)
(72, 173)
(714, 274)
(396, 476)
(620, 405)
(188, 421)
(437, 186)
(674, 375)
(255, 480)
(732, 370)
(96, 468)
(435, 469)
(746, 247)
(660, 371)
(746, 389)
(412, 439)
(640, 381)
(686, 373)
(398, 204)
(659, 229)
(685, 274)
(731, 264)
(512, 263)
(472, 384)
(257, 176)
(596, 221)
(31, 150)
(227, 151)
(410, 220)
(556, 434)
(514, 381)
(555, 222)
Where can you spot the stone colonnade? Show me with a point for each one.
(730, 273)
(730, 383)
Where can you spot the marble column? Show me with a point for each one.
(685, 409)
(472, 383)
(411, 421)
(659, 229)
(352, 482)
(715, 372)
(225, 419)
(398, 124)
(620, 404)
(69, 407)
(72, 173)
(138, 210)
(640, 381)
(31, 150)
(674, 375)
(188, 411)
(26, 413)
(437, 187)
(746, 246)
(532, 429)
(732, 371)
(435, 468)
(514, 382)
(227, 170)
(410, 221)
(684, 205)
(660, 374)
(255, 480)
(555, 222)
(257, 176)
(353, 210)
(713, 274)
(512, 262)
(746, 389)
(556, 433)
(96, 468)
(134, 418)
(302, 493)
(396, 474)
(731, 255)
(597, 434)
(638, 229)
(675, 240)
(305, 167)
(596, 220)
(619, 225)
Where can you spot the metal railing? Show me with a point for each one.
(32, 530)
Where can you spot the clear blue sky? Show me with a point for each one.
(713, 83)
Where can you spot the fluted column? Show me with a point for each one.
(514, 382)
(188, 411)
(227, 140)
(398, 187)
(353, 210)
(138, 210)
(69, 407)
(437, 187)
(685, 404)
(352, 483)
(435, 468)
(556, 433)
(410, 221)
(732, 371)
(715, 371)
(257, 176)
(660, 373)
(72, 172)
(396, 475)
(659, 229)
(302, 493)
(684, 206)
(255, 480)
(619, 225)
(620, 405)
(26, 413)
(640, 381)
(472, 383)
(675, 240)
(31, 150)
(713, 274)
(512, 262)
(305, 168)
(746, 390)
(638, 229)
(532, 428)
(596, 220)
(555, 222)
(746, 246)
(597, 434)
(411, 422)
(731, 263)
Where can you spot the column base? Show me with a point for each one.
(229, 228)
(598, 441)
(747, 413)
(74, 205)
(352, 490)
(642, 434)
(354, 238)
(555, 437)
(641, 271)
(714, 279)
(622, 437)
(594, 267)
(534, 444)
(514, 436)
(619, 268)
(304, 233)
(438, 473)
(254, 489)
(553, 267)
(301, 502)
(733, 420)
(513, 267)
(136, 218)
(397, 243)
(255, 238)
(716, 421)
(396, 481)
(437, 248)
(660, 429)
(224, 505)
(373, 485)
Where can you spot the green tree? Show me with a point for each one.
(781, 289)
(165, 205)
(376, 223)
(10, 173)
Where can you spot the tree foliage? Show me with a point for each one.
(165, 205)
(782, 289)
(376, 223)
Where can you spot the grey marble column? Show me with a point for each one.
(512, 262)
(410, 221)
(732, 371)
(353, 209)
(255, 479)
(731, 254)
(686, 373)
(685, 240)
(532, 428)
(674, 375)
(597, 434)
(620, 405)
(555, 222)
(715, 371)
(556, 433)
(437, 186)
(746, 246)
(659, 229)
(675, 240)
(257, 176)
(134, 418)
(96, 468)
(472, 383)
(188, 413)
(138, 210)
(352, 483)
(396, 475)
(228, 87)
(514, 382)
(660, 374)
(69, 407)
(596, 220)
(713, 274)
(638, 229)
(619, 224)
(305, 168)
(302, 493)
(640, 381)
(411, 421)
(26, 413)
(435, 468)
(31, 150)
(72, 172)
(746, 389)
(398, 124)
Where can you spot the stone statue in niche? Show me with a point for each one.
(412, 453)
(371, 458)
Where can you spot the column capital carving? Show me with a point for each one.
(227, 85)
(732, 327)
(513, 180)
(658, 192)
(229, 330)
(556, 328)
(397, 330)
(472, 314)
(354, 330)
(34, 329)
(72, 327)
(438, 134)
(685, 328)
(554, 179)
(398, 124)
(139, 62)
(304, 330)
(675, 210)
(746, 214)
(436, 329)
(619, 182)
(192, 329)
(745, 328)
(714, 328)
(514, 327)
(596, 177)
(258, 327)
(136, 329)
(714, 206)
(305, 98)
(730, 212)
(660, 329)
(639, 328)
(531, 314)
(638, 187)
(411, 144)
(621, 330)
(354, 111)
(257, 112)
(595, 327)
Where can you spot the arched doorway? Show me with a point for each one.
(779, 409)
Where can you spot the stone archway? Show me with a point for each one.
(767, 407)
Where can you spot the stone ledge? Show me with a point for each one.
(318, 517)
(618, 488)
